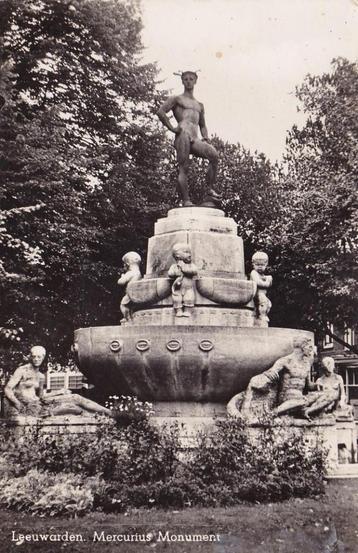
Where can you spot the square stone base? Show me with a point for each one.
(73, 424)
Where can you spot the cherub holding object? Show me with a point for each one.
(182, 271)
(131, 262)
(264, 282)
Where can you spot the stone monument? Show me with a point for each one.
(197, 335)
(188, 366)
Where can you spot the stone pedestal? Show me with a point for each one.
(73, 424)
(216, 249)
(347, 435)
(324, 432)
(223, 294)
(192, 418)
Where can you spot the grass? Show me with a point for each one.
(325, 525)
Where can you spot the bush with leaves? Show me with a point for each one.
(258, 464)
(43, 493)
(140, 465)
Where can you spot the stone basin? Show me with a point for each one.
(179, 363)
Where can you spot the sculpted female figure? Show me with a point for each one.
(26, 396)
(331, 391)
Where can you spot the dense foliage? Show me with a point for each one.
(139, 466)
(317, 237)
(85, 169)
(80, 161)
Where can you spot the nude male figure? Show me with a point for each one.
(293, 374)
(189, 114)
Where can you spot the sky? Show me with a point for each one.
(251, 55)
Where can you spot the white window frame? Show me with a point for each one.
(328, 340)
(354, 383)
(349, 337)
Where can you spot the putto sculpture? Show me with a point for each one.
(182, 271)
(26, 396)
(190, 116)
(264, 282)
(131, 262)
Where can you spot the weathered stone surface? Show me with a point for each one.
(200, 316)
(226, 291)
(216, 248)
(215, 255)
(202, 219)
(53, 425)
(149, 290)
(176, 363)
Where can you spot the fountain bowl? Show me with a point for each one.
(179, 362)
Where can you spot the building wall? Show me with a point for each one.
(346, 362)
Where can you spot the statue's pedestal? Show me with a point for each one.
(191, 418)
(73, 424)
(194, 419)
(321, 432)
(206, 356)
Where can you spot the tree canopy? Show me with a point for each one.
(85, 170)
(76, 189)
(318, 235)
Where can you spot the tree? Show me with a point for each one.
(76, 119)
(251, 189)
(317, 263)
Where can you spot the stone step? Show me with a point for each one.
(345, 471)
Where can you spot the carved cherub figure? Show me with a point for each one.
(131, 262)
(182, 271)
(264, 282)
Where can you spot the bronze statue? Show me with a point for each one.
(182, 271)
(26, 396)
(189, 114)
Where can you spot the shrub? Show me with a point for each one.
(141, 466)
(270, 467)
(42, 493)
(128, 409)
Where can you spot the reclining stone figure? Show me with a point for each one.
(286, 388)
(26, 396)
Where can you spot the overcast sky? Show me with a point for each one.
(252, 54)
